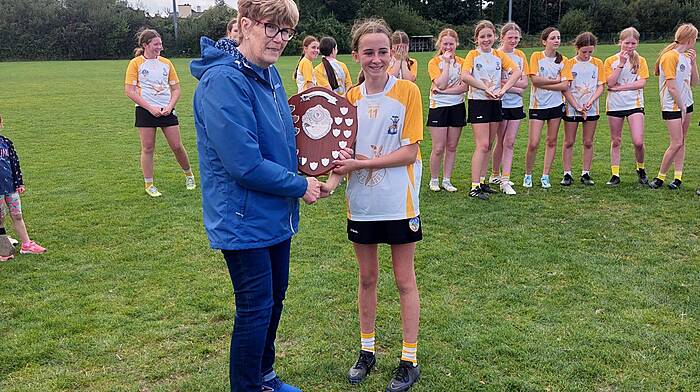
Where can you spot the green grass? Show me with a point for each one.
(573, 289)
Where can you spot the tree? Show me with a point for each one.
(574, 22)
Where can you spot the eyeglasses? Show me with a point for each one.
(271, 31)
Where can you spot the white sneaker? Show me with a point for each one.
(527, 181)
(507, 188)
(434, 185)
(495, 180)
(153, 191)
(447, 185)
(189, 183)
(544, 180)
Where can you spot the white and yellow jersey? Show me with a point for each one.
(487, 67)
(545, 67)
(585, 77)
(511, 100)
(386, 121)
(305, 74)
(630, 99)
(342, 75)
(674, 67)
(153, 77)
(412, 66)
(435, 67)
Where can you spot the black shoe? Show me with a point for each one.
(656, 183)
(614, 181)
(487, 189)
(404, 377)
(675, 185)
(362, 367)
(567, 180)
(586, 180)
(642, 177)
(478, 193)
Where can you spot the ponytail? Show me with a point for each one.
(144, 37)
(665, 50)
(685, 34)
(330, 73)
(545, 34)
(634, 62)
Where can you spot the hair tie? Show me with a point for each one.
(675, 42)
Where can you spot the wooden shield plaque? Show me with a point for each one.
(324, 123)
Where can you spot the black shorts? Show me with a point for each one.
(580, 119)
(392, 232)
(547, 114)
(513, 113)
(668, 115)
(484, 111)
(447, 116)
(624, 113)
(144, 119)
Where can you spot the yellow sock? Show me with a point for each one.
(475, 185)
(367, 340)
(482, 180)
(615, 170)
(661, 176)
(506, 176)
(148, 182)
(678, 174)
(640, 165)
(408, 352)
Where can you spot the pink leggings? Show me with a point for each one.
(13, 204)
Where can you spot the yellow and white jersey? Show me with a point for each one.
(486, 67)
(305, 74)
(412, 66)
(545, 67)
(386, 121)
(342, 75)
(455, 77)
(585, 77)
(674, 67)
(625, 100)
(511, 100)
(153, 78)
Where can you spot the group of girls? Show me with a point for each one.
(562, 89)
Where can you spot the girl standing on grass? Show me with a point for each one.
(585, 76)
(402, 66)
(546, 103)
(626, 74)
(152, 83)
(382, 194)
(331, 73)
(678, 71)
(512, 109)
(482, 70)
(447, 114)
(304, 74)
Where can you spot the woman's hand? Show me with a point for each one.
(313, 190)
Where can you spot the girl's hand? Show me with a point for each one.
(692, 54)
(345, 166)
(624, 56)
(155, 112)
(166, 111)
(20, 189)
(447, 56)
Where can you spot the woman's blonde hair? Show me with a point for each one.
(483, 24)
(510, 26)
(627, 33)
(364, 27)
(445, 33)
(684, 34)
(144, 37)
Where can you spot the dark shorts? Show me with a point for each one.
(484, 111)
(668, 115)
(447, 116)
(547, 114)
(580, 119)
(513, 113)
(624, 113)
(393, 232)
(144, 119)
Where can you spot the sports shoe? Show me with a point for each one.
(496, 180)
(544, 180)
(507, 188)
(276, 385)
(153, 191)
(447, 185)
(5, 258)
(567, 180)
(675, 185)
(487, 189)
(478, 193)
(586, 180)
(614, 181)
(405, 375)
(32, 248)
(13, 241)
(698, 191)
(527, 181)
(642, 174)
(434, 185)
(362, 367)
(656, 183)
(189, 183)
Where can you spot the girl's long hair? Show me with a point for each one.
(445, 33)
(308, 40)
(400, 37)
(545, 34)
(631, 32)
(144, 37)
(326, 47)
(363, 27)
(685, 33)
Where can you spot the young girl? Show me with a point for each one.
(401, 65)
(482, 71)
(11, 186)
(678, 71)
(626, 74)
(585, 76)
(331, 73)
(382, 194)
(546, 103)
(512, 109)
(447, 113)
(304, 73)
(152, 83)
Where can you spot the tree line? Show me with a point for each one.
(106, 29)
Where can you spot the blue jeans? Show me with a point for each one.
(259, 278)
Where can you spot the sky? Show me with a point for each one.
(165, 6)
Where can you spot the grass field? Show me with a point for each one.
(573, 289)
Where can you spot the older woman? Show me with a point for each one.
(250, 185)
